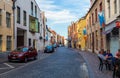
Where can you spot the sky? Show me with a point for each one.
(60, 13)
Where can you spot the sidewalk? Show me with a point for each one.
(93, 64)
(3, 56)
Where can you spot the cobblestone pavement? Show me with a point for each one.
(64, 63)
(4, 61)
(93, 63)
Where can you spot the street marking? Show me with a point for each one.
(4, 68)
(9, 65)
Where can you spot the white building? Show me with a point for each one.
(112, 11)
(28, 24)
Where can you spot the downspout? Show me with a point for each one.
(14, 20)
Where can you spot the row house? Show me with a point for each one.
(95, 26)
(81, 32)
(103, 25)
(72, 35)
(69, 37)
(62, 40)
(48, 36)
(53, 37)
(112, 32)
(28, 24)
(58, 39)
(6, 25)
(43, 29)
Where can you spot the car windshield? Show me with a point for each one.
(25, 49)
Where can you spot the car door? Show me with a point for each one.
(34, 52)
(30, 52)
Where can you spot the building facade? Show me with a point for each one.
(95, 26)
(6, 25)
(27, 24)
(81, 28)
(112, 13)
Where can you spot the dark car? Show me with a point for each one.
(49, 49)
(23, 54)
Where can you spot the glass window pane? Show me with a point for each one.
(0, 43)
(9, 43)
(0, 16)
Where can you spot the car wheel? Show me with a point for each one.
(26, 59)
(9, 60)
(35, 57)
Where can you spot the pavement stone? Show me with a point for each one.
(93, 64)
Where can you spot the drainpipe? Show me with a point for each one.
(14, 19)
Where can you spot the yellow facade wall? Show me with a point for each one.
(81, 37)
(6, 6)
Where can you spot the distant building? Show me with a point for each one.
(82, 33)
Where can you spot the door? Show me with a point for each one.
(93, 42)
(114, 45)
(20, 41)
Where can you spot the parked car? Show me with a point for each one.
(23, 54)
(49, 49)
(55, 45)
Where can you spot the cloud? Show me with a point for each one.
(62, 16)
(62, 12)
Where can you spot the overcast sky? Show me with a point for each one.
(60, 13)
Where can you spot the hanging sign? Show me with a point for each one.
(118, 24)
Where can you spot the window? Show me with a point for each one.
(101, 31)
(115, 6)
(96, 15)
(24, 18)
(96, 40)
(31, 8)
(29, 42)
(35, 11)
(90, 21)
(0, 17)
(100, 6)
(18, 15)
(0, 42)
(108, 8)
(8, 20)
(92, 18)
(38, 27)
(8, 48)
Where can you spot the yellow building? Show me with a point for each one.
(6, 25)
(81, 28)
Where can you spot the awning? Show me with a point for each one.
(109, 28)
(108, 31)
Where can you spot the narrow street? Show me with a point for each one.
(64, 63)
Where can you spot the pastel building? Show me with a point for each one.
(6, 26)
(82, 33)
(112, 15)
(27, 24)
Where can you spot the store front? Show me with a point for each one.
(21, 37)
(112, 38)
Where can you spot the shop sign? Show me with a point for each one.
(118, 24)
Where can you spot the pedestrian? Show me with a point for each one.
(100, 54)
(110, 59)
(118, 54)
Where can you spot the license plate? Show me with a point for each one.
(13, 57)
